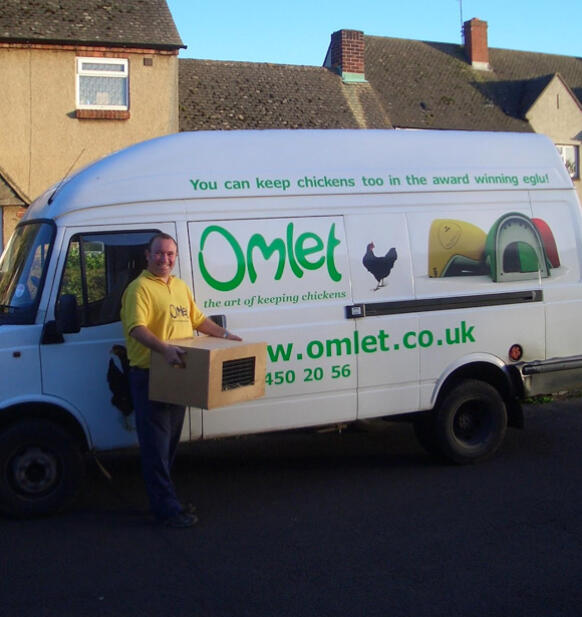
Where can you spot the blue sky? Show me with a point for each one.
(298, 32)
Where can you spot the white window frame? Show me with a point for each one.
(84, 72)
(570, 154)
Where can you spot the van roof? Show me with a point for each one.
(212, 164)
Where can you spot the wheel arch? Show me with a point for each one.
(495, 374)
(45, 410)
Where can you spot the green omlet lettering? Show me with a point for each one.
(308, 251)
(267, 250)
(238, 254)
(307, 244)
(292, 262)
(372, 343)
(332, 243)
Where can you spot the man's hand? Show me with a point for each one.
(232, 337)
(212, 329)
(173, 355)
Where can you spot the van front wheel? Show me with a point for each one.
(470, 422)
(41, 468)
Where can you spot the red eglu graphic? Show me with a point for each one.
(548, 241)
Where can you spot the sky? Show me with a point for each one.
(298, 31)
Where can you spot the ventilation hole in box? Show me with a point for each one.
(238, 373)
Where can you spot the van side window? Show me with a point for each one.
(98, 268)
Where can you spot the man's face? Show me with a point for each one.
(162, 257)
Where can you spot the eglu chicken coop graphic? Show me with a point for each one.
(515, 248)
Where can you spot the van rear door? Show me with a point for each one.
(387, 353)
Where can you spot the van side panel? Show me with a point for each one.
(480, 261)
(284, 281)
(19, 358)
(562, 296)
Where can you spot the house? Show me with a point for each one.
(382, 82)
(80, 79)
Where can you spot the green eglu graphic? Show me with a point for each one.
(516, 248)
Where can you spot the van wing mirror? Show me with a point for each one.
(67, 315)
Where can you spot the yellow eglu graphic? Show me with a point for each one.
(456, 248)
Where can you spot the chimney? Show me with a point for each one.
(475, 34)
(346, 55)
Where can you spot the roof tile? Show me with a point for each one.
(244, 95)
(431, 85)
(104, 22)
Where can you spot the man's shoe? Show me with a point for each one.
(189, 508)
(180, 520)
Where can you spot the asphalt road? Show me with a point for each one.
(300, 524)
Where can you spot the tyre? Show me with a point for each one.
(470, 422)
(41, 468)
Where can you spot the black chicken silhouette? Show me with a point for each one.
(379, 267)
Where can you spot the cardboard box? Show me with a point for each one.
(216, 372)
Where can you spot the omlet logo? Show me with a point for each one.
(307, 251)
(177, 312)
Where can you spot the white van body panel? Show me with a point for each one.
(164, 169)
(562, 290)
(273, 227)
(28, 400)
(20, 362)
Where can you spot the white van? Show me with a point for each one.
(432, 275)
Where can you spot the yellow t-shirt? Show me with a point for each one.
(168, 310)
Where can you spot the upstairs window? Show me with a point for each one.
(570, 156)
(103, 83)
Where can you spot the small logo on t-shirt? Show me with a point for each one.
(178, 312)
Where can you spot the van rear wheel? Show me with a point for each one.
(470, 422)
(41, 468)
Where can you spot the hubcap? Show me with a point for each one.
(470, 424)
(35, 471)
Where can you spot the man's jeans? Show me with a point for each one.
(159, 426)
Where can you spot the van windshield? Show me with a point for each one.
(22, 271)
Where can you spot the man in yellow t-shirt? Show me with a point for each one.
(156, 309)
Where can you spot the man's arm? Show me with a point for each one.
(213, 329)
(148, 339)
